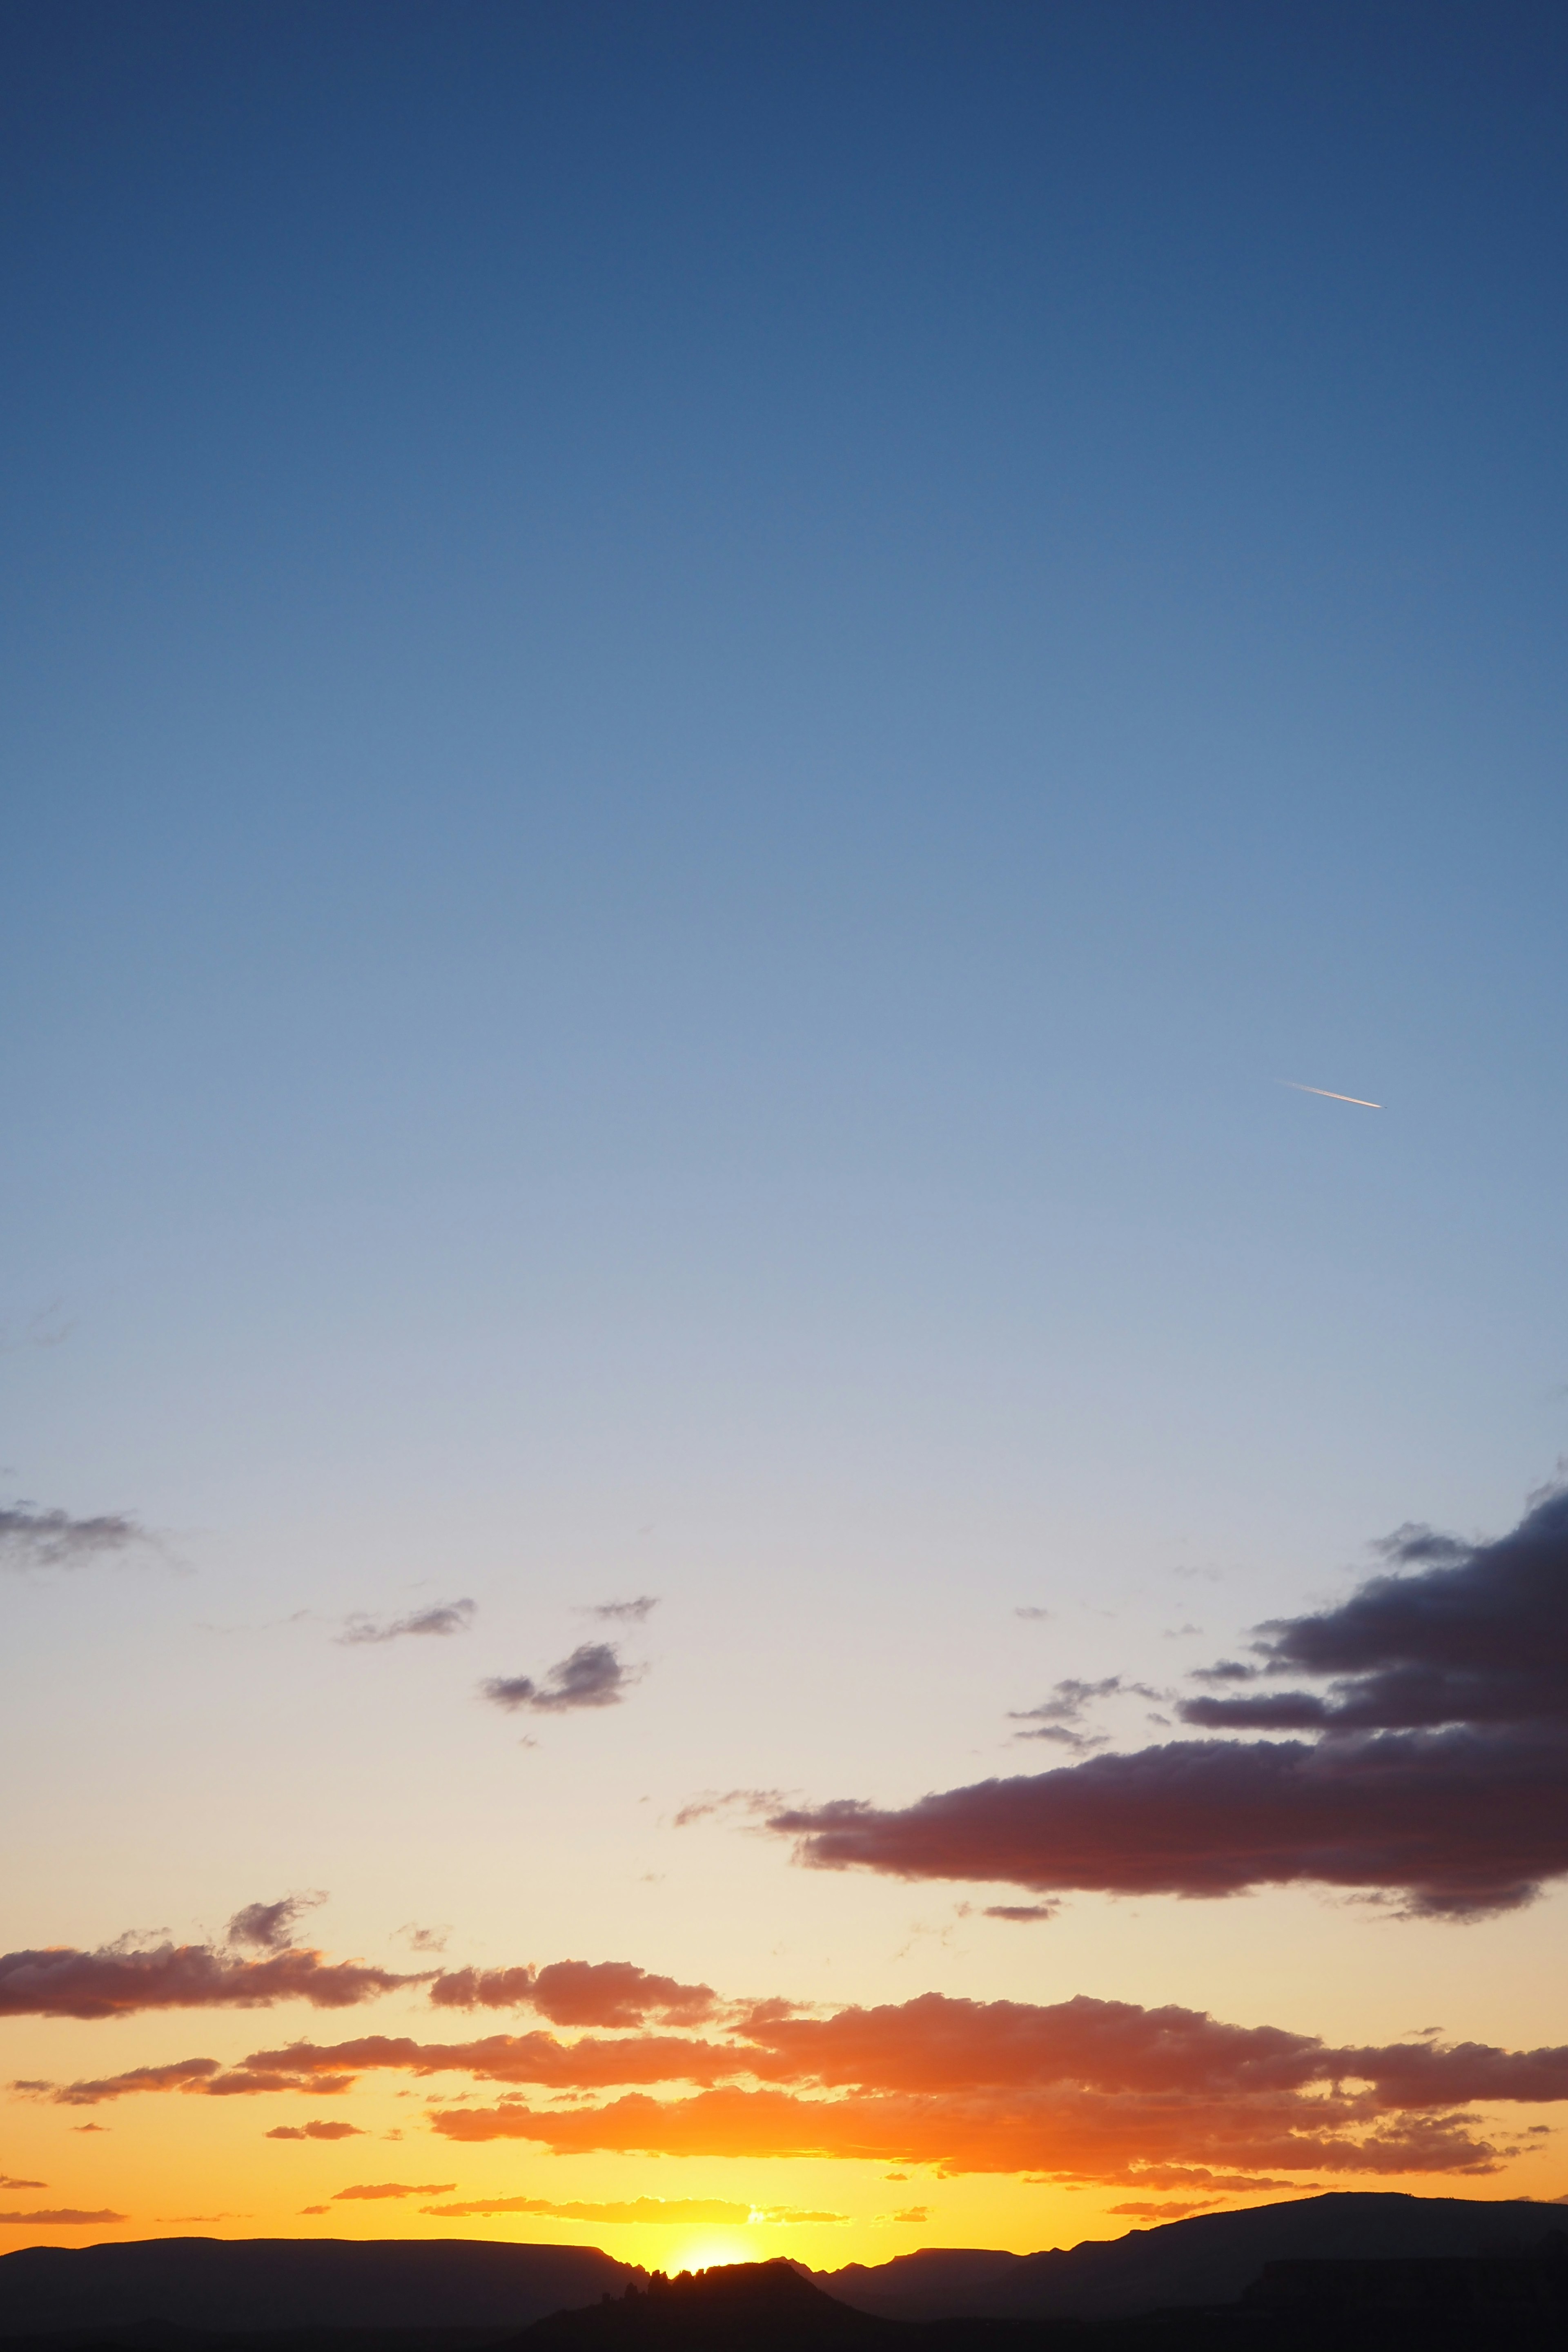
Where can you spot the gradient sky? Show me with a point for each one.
(705, 710)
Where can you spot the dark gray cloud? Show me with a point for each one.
(1437, 1774)
(592, 1675)
(442, 1618)
(30, 1538)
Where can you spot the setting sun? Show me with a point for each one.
(713, 2254)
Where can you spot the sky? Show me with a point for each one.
(727, 1525)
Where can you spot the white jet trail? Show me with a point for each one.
(1359, 1101)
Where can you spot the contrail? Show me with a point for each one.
(1359, 1101)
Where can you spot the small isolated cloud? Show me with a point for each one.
(84, 2127)
(907, 2213)
(442, 1617)
(62, 2215)
(624, 1613)
(366, 2191)
(314, 2208)
(1034, 1616)
(605, 1993)
(425, 1939)
(33, 1539)
(316, 2131)
(592, 1677)
(8, 2184)
(1021, 1913)
(269, 1927)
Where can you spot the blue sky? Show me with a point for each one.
(698, 702)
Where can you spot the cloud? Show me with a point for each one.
(910, 2213)
(755, 1803)
(118, 1979)
(5, 2183)
(1021, 1912)
(369, 2190)
(1035, 1616)
(1437, 1775)
(64, 2213)
(333, 2130)
(443, 1617)
(269, 1927)
(425, 1939)
(33, 1539)
(1166, 2099)
(637, 2209)
(592, 1677)
(624, 1613)
(579, 1992)
(1152, 2212)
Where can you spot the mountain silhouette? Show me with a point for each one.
(1211, 2258)
(259, 2286)
(402, 2295)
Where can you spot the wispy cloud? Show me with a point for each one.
(1061, 1717)
(369, 2190)
(62, 2215)
(31, 1538)
(592, 1675)
(331, 2130)
(442, 1618)
(716, 1803)
(624, 1613)
(637, 2209)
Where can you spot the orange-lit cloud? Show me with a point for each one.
(1090, 2090)
(373, 2191)
(331, 2130)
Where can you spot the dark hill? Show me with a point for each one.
(763, 2306)
(256, 2285)
(1211, 2258)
